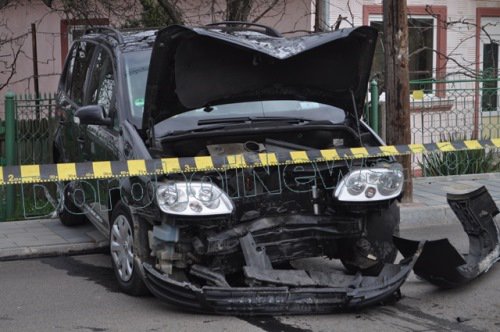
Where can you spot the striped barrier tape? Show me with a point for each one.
(23, 174)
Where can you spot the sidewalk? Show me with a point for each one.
(429, 205)
(48, 237)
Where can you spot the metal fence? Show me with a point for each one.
(36, 124)
(33, 123)
(459, 107)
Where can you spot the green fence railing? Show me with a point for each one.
(461, 106)
(26, 138)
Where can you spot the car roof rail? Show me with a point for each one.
(240, 26)
(106, 30)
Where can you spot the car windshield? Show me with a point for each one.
(136, 65)
(273, 108)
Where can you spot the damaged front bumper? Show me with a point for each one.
(311, 292)
(440, 263)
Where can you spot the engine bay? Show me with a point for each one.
(265, 138)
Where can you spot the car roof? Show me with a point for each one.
(128, 40)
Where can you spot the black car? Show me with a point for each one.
(247, 239)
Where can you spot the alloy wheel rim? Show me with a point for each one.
(121, 244)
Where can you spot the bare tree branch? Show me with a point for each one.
(267, 10)
(10, 67)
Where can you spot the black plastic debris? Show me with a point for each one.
(295, 292)
(440, 263)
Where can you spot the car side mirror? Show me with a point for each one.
(92, 115)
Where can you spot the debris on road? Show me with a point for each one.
(440, 263)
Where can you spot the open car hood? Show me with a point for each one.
(196, 67)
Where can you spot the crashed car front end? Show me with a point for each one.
(266, 253)
(260, 235)
(216, 264)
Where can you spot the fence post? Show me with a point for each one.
(374, 106)
(10, 148)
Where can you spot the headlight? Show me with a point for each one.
(192, 199)
(370, 184)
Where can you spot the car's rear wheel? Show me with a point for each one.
(69, 213)
(370, 253)
(121, 245)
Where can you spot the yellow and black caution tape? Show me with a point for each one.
(22, 174)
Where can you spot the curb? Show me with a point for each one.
(416, 215)
(58, 239)
(12, 254)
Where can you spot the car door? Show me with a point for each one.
(70, 98)
(101, 142)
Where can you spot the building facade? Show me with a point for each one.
(453, 46)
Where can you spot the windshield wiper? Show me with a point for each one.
(224, 123)
(224, 120)
(197, 130)
(252, 119)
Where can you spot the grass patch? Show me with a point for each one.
(459, 162)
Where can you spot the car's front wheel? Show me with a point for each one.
(121, 245)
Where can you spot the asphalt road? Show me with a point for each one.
(79, 294)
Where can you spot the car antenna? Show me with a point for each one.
(357, 117)
(208, 108)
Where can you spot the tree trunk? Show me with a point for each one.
(396, 83)
(238, 10)
(174, 14)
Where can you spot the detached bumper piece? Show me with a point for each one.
(282, 291)
(440, 263)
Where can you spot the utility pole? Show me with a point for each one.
(35, 70)
(321, 16)
(397, 91)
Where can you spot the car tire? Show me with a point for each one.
(69, 213)
(380, 227)
(121, 247)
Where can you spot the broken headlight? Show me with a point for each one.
(370, 184)
(192, 199)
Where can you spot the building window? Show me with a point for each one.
(489, 96)
(75, 32)
(421, 43)
(427, 45)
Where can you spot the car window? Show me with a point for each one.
(82, 62)
(68, 72)
(136, 65)
(102, 81)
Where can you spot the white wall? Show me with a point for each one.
(16, 19)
